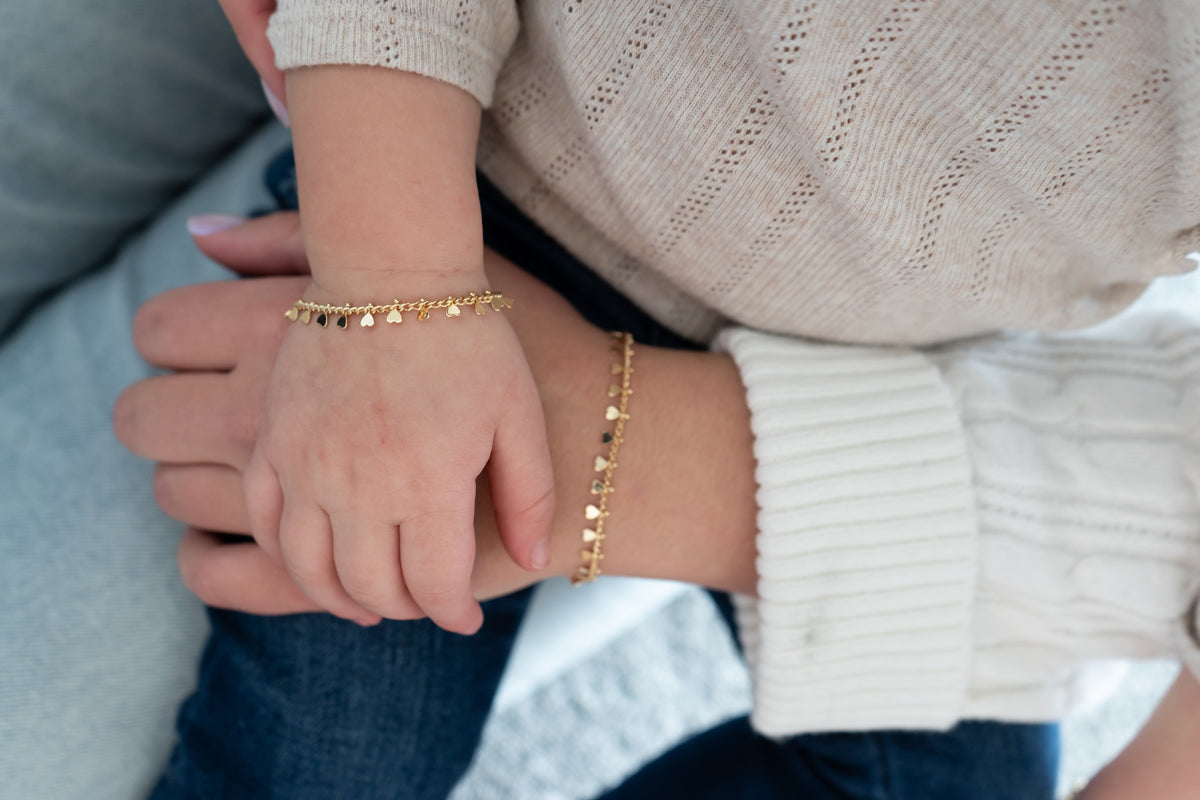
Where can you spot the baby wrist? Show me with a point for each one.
(393, 313)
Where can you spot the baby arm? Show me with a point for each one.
(363, 479)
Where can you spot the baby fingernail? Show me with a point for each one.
(540, 555)
(206, 224)
(276, 105)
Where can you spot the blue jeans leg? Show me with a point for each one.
(976, 760)
(311, 706)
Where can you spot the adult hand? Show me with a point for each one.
(683, 509)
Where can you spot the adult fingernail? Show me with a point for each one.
(540, 555)
(276, 105)
(206, 224)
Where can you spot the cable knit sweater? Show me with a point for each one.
(950, 527)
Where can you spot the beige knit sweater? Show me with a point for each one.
(945, 532)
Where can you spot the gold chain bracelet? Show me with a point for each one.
(596, 513)
(304, 311)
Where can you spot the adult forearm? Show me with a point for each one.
(683, 506)
(689, 506)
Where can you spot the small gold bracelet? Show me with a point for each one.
(303, 311)
(596, 513)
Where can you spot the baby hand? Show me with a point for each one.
(363, 479)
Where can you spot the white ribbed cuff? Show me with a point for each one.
(311, 34)
(867, 538)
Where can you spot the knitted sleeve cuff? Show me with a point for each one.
(867, 538)
(462, 44)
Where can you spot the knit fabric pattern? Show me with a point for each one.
(909, 581)
(943, 533)
(465, 39)
(931, 169)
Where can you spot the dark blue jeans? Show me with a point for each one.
(311, 706)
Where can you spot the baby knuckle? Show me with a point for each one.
(360, 582)
(434, 594)
(310, 573)
(379, 599)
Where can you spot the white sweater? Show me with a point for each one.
(945, 532)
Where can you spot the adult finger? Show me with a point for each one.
(522, 482)
(249, 19)
(269, 245)
(306, 544)
(202, 495)
(214, 326)
(187, 418)
(367, 558)
(239, 576)
(437, 551)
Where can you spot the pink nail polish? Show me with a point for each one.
(276, 106)
(206, 224)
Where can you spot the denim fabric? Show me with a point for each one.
(974, 761)
(311, 706)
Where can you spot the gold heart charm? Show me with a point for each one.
(611, 413)
(591, 512)
(306, 315)
(480, 309)
(394, 316)
(292, 313)
(601, 463)
(589, 535)
(453, 311)
(497, 303)
(614, 390)
(368, 320)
